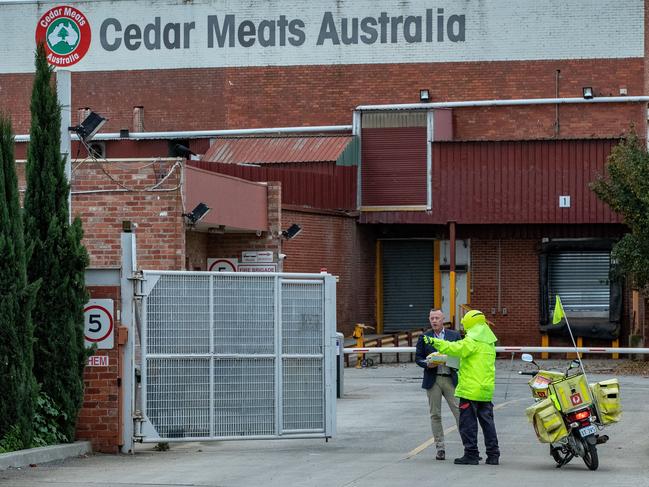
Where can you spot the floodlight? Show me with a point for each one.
(87, 129)
(292, 231)
(197, 213)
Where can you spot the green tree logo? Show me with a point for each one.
(63, 36)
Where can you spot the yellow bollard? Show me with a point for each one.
(359, 334)
(545, 342)
(616, 344)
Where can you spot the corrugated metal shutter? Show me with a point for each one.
(393, 162)
(581, 279)
(407, 284)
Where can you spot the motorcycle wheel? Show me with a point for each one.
(556, 454)
(590, 455)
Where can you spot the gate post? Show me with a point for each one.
(129, 266)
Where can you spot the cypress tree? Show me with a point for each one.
(16, 301)
(57, 257)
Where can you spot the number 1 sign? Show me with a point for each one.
(99, 323)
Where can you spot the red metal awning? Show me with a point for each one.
(276, 150)
(235, 204)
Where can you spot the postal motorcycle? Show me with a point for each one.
(569, 413)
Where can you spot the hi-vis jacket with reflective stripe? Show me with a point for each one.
(477, 351)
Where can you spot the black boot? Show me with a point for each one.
(492, 460)
(466, 460)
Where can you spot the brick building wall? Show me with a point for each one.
(334, 241)
(106, 194)
(517, 319)
(519, 284)
(284, 96)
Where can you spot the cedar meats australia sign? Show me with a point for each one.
(66, 33)
(110, 35)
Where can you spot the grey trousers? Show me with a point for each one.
(443, 386)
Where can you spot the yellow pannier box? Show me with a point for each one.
(607, 400)
(547, 421)
(572, 393)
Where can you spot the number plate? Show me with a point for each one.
(588, 430)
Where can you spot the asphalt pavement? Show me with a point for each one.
(383, 439)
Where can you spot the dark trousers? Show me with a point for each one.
(472, 412)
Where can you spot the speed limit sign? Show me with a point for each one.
(98, 323)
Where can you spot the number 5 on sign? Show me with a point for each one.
(99, 323)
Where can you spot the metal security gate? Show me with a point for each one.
(582, 281)
(236, 356)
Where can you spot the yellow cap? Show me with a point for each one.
(472, 318)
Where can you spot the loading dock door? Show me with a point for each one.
(407, 284)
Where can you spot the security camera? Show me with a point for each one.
(282, 256)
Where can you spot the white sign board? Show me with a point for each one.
(222, 265)
(256, 256)
(257, 267)
(99, 323)
(173, 34)
(98, 361)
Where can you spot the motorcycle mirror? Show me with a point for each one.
(574, 363)
(526, 357)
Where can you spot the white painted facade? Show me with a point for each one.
(145, 34)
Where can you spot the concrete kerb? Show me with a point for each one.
(44, 454)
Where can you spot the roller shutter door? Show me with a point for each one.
(582, 281)
(407, 284)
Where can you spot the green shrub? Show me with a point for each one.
(47, 418)
(12, 440)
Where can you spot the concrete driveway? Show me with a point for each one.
(383, 440)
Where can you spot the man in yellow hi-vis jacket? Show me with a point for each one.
(476, 384)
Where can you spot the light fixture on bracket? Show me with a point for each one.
(219, 229)
(87, 129)
(424, 96)
(291, 232)
(197, 213)
(587, 92)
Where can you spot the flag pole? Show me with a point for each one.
(581, 364)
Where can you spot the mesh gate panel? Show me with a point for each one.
(233, 356)
(178, 394)
(244, 397)
(302, 318)
(178, 315)
(244, 314)
(303, 403)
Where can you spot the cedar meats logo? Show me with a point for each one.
(66, 34)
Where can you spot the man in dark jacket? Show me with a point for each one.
(439, 380)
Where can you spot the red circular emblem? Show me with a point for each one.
(65, 31)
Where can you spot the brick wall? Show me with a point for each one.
(100, 417)
(104, 195)
(519, 284)
(284, 96)
(334, 241)
(519, 278)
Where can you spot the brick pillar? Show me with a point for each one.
(99, 419)
(275, 208)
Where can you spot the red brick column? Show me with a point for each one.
(99, 420)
